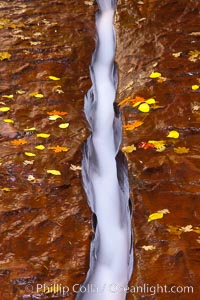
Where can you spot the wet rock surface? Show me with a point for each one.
(45, 219)
(163, 37)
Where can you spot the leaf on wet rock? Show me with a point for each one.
(4, 109)
(8, 96)
(158, 215)
(29, 154)
(155, 216)
(133, 125)
(8, 121)
(187, 228)
(174, 230)
(137, 101)
(195, 87)
(155, 75)
(58, 149)
(75, 168)
(177, 54)
(31, 178)
(144, 107)
(20, 92)
(164, 211)
(18, 142)
(5, 55)
(53, 172)
(5, 189)
(159, 145)
(54, 78)
(36, 95)
(194, 55)
(43, 135)
(57, 113)
(63, 125)
(59, 91)
(35, 43)
(150, 101)
(181, 150)
(145, 146)
(40, 147)
(161, 79)
(178, 230)
(30, 129)
(54, 117)
(148, 248)
(129, 149)
(173, 134)
(28, 162)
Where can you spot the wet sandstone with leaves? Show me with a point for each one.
(159, 96)
(45, 51)
(46, 47)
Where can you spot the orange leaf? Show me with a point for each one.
(58, 113)
(137, 100)
(58, 149)
(133, 125)
(124, 101)
(19, 142)
(145, 145)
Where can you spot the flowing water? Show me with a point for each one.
(104, 176)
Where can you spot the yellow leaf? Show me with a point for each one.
(54, 117)
(177, 54)
(174, 230)
(54, 78)
(181, 150)
(155, 216)
(43, 135)
(30, 129)
(6, 189)
(173, 134)
(40, 147)
(187, 228)
(159, 145)
(53, 172)
(195, 87)
(4, 109)
(129, 149)
(150, 101)
(20, 92)
(8, 96)
(75, 168)
(5, 55)
(164, 211)
(28, 162)
(64, 125)
(194, 55)
(155, 75)
(144, 107)
(36, 95)
(8, 121)
(148, 248)
(29, 154)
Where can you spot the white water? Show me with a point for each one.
(106, 189)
